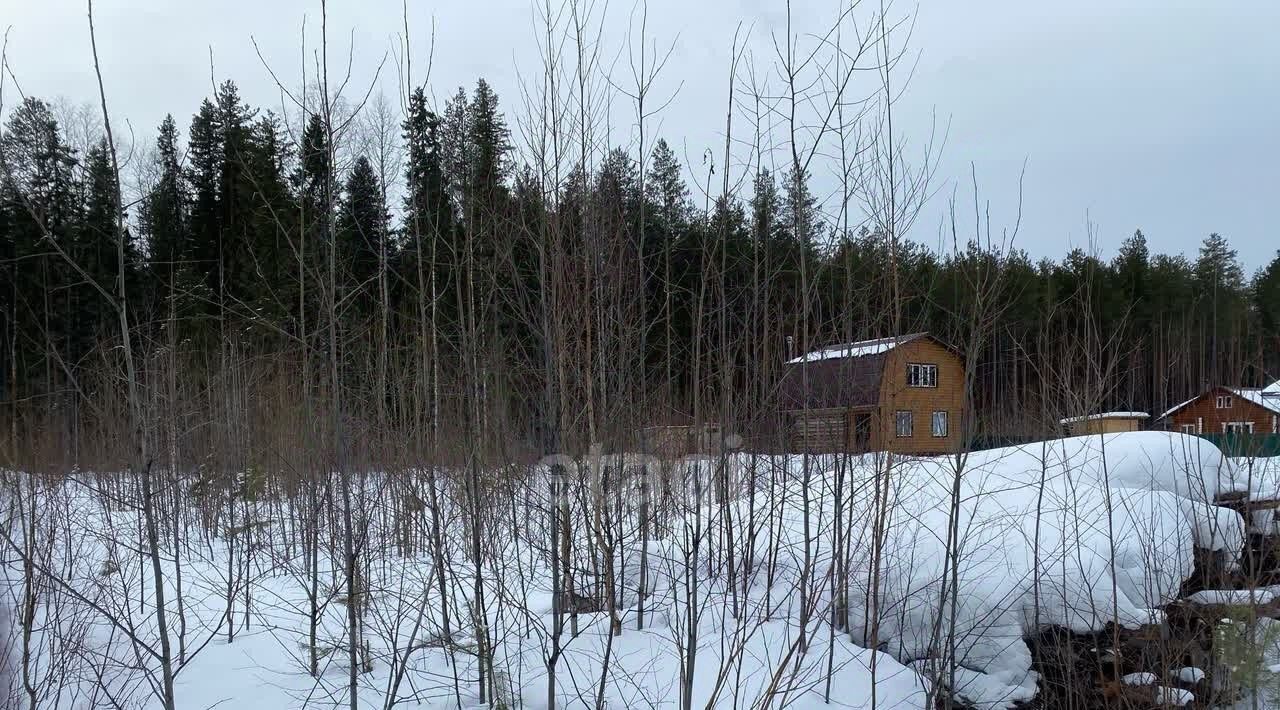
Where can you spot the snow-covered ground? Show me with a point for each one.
(942, 565)
(1259, 475)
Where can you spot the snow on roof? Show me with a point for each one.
(1261, 397)
(861, 348)
(1106, 415)
(1179, 406)
(1267, 397)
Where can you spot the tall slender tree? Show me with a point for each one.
(164, 215)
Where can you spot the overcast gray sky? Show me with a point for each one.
(1153, 114)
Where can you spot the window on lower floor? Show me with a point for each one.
(1237, 427)
(939, 424)
(903, 424)
(1188, 428)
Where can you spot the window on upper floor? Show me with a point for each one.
(922, 375)
(1223, 401)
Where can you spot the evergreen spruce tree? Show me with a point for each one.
(428, 228)
(95, 251)
(1266, 304)
(238, 280)
(667, 249)
(668, 195)
(765, 206)
(486, 217)
(800, 213)
(489, 146)
(164, 216)
(617, 195)
(38, 196)
(455, 149)
(362, 231)
(270, 232)
(426, 207)
(205, 151)
(313, 184)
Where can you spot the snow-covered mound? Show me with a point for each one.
(985, 548)
(1259, 475)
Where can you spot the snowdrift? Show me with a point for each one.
(1074, 532)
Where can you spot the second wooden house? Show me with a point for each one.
(1228, 410)
(903, 394)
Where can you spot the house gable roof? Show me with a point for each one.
(1267, 397)
(860, 349)
(846, 375)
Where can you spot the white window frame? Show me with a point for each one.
(1241, 427)
(1188, 429)
(940, 417)
(922, 374)
(1223, 401)
(904, 421)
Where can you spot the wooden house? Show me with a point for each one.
(1104, 423)
(903, 394)
(1228, 410)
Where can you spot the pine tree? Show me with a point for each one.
(1128, 307)
(1220, 283)
(1131, 266)
(1218, 265)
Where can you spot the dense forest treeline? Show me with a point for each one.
(435, 218)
